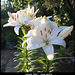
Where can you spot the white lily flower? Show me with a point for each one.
(30, 12)
(20, 18)
(16, 20)
(44, 37)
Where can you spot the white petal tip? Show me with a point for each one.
(49, 16)
(37, 9)
(44, 17)
(17, 34)
(4, 26)
(24, 43)
(8, 12)
(24, 36)
(72, 26)
(50, 57)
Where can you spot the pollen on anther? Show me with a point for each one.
(50, 32)
(33, 26)
(12, 17)
(41, 33)
(29, 29)
(15, 19)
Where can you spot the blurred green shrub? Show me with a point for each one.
(11, 37)
(7, 33)
(3, 30)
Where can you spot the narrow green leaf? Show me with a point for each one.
(41, 61)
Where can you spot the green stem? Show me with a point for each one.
(26, 51)
(47, 65)
(47, 62)
(23, 30)
(27, 58)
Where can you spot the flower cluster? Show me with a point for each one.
(20, 18)
(44, 32)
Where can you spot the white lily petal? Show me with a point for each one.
(16, 29)
(64, 33)
(48, 17)
(32, 9)
(58, 41)
(28, 6)
(52, 24)
(9, 20)
(26, 20)
(34, 43)
(36, 11)
(9, 24)
(44, 20)
(49, 50)
(63, 27)
(55, 31)
(15, 23)
(30, 33)
(36, 22)
(24, 43)
(9, 14)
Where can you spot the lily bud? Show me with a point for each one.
(45, 17)
(43, 21)
(64, 33)
(9, 13)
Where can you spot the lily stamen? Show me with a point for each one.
(41, 33)
(15, 19)
(33, 26)
(31, 15)
(45, 29)
(50, 32)
(45, 35)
